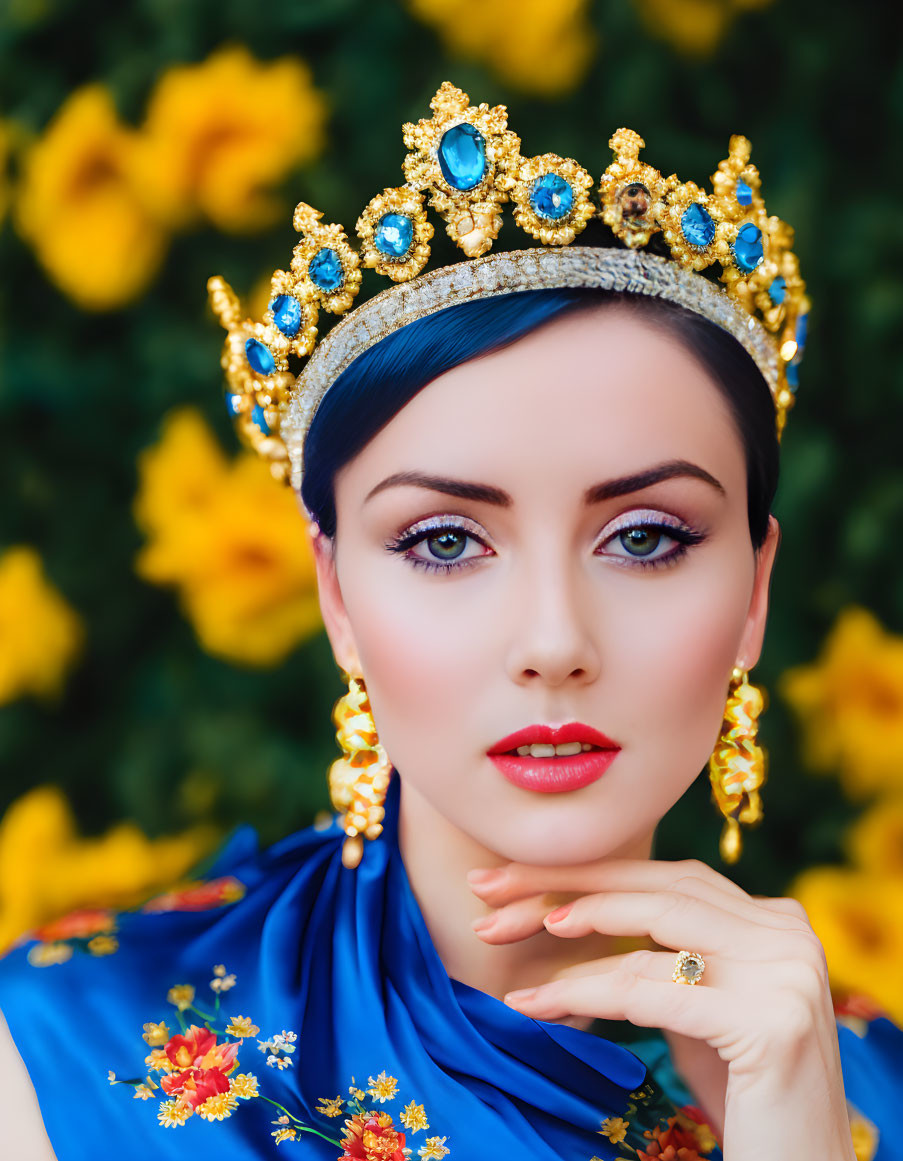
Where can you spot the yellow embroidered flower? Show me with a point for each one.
(219, 134)
(858, 916)
(181, 995)
(850, 704)
(244, 1085)
(615, 1129)
(383, 1088)
(158, 1061)
(171, 1114)
(433, 1147)
(47, 870)
(111, 1077)
(223, 983)
(875, 841)
(537, 46)
(231, 540)
(79, 206)
(217, 1108)
(103, 945)
(48, 954)
(414, 1117)
(281, 1135)
(40, 634)
(242, 1027)
(331, 1106)
(156, 1034)
(145, 1092)
(694, 28)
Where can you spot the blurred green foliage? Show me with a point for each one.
(149, 726)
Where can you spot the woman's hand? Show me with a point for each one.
(764, 1004)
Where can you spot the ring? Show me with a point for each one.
(688, 968)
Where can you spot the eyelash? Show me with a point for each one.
(402, 544)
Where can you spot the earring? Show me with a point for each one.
(737, 766)
(359, 779)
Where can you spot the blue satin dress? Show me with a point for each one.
(342, 961)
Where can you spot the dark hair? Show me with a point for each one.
(379, 382)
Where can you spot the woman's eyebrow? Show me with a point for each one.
(607, 490)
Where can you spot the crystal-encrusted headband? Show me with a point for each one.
(471, 164)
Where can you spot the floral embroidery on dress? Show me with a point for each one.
(654, 1129)
(197, 1071)
(93, 930)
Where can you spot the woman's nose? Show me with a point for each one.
(554, 625)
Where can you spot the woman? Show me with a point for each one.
(538, 487)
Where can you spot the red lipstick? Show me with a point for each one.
(551, 774)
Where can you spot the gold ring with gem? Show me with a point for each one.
(688, 968)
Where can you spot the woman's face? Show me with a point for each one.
(597, 569)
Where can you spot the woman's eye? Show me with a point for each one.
(650, 543)
(443, 548)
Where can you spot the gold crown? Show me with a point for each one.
(471, 164)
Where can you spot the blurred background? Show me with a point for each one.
(164, 676)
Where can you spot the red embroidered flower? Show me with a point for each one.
(372, 1138)
(199, 896)
(195, 1085)
(198, 1049)
(77, 925)
(858, 1006)
(686, 1138)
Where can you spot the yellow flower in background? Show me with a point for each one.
(694, 27)
(850, 705)
(78, 206)
(231, 539)
(219, 134)
(875, 841)
(540, 47)
(48, 870)
(40, 634)
(858, 916)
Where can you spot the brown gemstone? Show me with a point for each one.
(635, 200)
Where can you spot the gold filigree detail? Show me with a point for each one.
(409, 203)
(552, 231)
(630, 190)
(472, 216)
(316, 238)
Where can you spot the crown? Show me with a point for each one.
(719, 254)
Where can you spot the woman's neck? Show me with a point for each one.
(437, 856)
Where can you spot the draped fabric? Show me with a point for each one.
(343, 959)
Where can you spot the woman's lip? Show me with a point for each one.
(554, 735)
(553, 775)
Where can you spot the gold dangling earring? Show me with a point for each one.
(737, 766)
(359, 779)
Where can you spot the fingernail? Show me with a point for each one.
(559, 913)
(483, 876)
(483, 923)
(520, 997)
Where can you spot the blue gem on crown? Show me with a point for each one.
(286, 314)
(777, 290)
(551, 197)
(394, 235)
(326, 269)
(748, 249)
(698, 226)
(260, 357)
(744, 193)
(462, 156)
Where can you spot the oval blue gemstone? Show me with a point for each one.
(778, 290)
(286, 314)
(257, 416)
(394, 235)
(697, 225)
(462, 156)
(260, 357)
(232, 399)
(744, 193)
(802, 332)
(748, 249)
(325, 269)
(551, 197)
